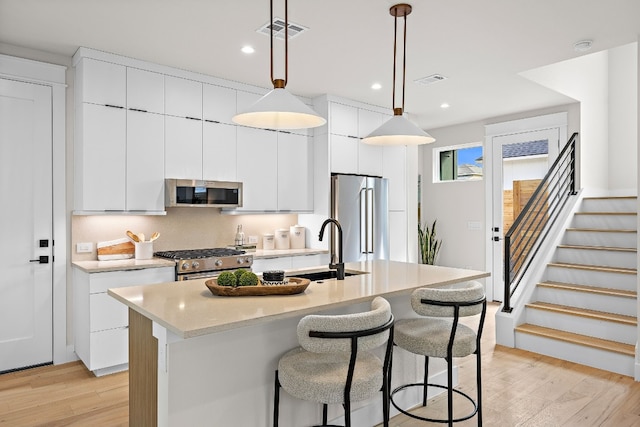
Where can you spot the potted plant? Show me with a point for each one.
(429, 244)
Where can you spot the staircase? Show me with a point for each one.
(585, 309)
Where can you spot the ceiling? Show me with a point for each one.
(480, 46)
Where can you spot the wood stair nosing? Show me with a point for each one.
(589, 289)
(605, 269)
(584, 340)
(598, 248)
(611, 198)
(603, 230)
(583, 312)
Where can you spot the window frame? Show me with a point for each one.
(436, 152)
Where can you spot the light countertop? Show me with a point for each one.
(122, 264)
(189, 309)
(278, 253)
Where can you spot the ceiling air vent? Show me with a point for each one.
(278, 29)
(433, 78)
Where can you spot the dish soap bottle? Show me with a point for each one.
(239, 236)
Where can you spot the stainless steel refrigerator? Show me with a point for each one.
(360, 204)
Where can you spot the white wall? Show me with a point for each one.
(623, 118)
(456, 204)
(521, 168)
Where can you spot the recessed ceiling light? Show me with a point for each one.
(582, 45)
(248, 49)
(444, 105)
(376, 86)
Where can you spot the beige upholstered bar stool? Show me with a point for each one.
(440, 334)
(334, 363)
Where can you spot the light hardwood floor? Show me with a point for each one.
(520, 389)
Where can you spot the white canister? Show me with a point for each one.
(297, 236)
(282, 238)
(144, 250)
(268, 241)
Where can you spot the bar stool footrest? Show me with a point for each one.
(434, 420)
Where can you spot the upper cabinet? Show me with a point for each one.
(295, 166)
(218, 103)
(343, 120)
(258, 168)
(103, 83)
(145, 91)
(183, 98)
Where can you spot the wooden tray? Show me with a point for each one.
(296, 285)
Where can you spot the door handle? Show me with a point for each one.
(496, 238)
(43, 259)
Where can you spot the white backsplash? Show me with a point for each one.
(181, 228)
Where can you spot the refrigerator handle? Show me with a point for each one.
(363, 220)
(370, 218)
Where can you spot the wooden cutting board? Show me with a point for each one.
(115, 249)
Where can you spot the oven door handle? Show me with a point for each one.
(194, 276)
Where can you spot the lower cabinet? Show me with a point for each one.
(101, 323)
(289, 262)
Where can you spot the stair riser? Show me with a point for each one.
(583, 325)
(594, 238)
(606, 222)
(597, 257)
(627, 282)
(587, 300)
(601, 359)
(609, 205)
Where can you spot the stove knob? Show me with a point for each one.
(218, 263)
(185, 265)
(240, 260)
(195, 264)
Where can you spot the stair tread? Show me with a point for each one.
(610, 197)
(603, 230)
(599, 343)
(590, 289)
(607, 213)
(583, 312)
(594, 267)
(599, 248)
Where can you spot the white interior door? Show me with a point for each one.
(26, 286)
(500, 180)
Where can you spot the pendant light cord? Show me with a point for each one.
(404, 59)
(286, 42)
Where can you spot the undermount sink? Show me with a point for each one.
(325, 274)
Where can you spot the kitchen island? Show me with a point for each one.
(200, 359)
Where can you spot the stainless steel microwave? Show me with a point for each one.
(198, 193)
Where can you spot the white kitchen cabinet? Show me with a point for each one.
(183, 148)
(343, 120)
(394, 168)
(306, 261)
(100, 82)
(145, 91)
(398, 235)
(266, 264)
(295, 173)
(145, 162)
(343, 153)
(258, 168)
(219, 154)
(369, 156)
(100, 158)
(218, 103)
(183, 98)
(100, 322)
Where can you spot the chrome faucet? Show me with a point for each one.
(339, 266)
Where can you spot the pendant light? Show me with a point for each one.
(279, 109)
(398, 130)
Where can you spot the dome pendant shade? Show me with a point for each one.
(398, 130)
(279, 109)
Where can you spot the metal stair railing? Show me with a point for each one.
(531, 227)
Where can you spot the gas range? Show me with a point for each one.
(206, 263)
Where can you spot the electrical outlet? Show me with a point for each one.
(83, 248)
(253, 239)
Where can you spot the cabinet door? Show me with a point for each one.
(106, 312)
(343, 120)
(102, 82)
(394, 168)
(295, 168)
(266, 264)
(369, 156)
(258, 168)
(145, 161)
(101, 159)
(183, 148)
(183, 98)
(218, 103)
(219, 152)
(344, 154)
(145, 91)
(398, 235)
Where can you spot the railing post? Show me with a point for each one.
(507, 274)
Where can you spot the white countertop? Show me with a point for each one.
(189, 309)
(278, 253)
(122, 264)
